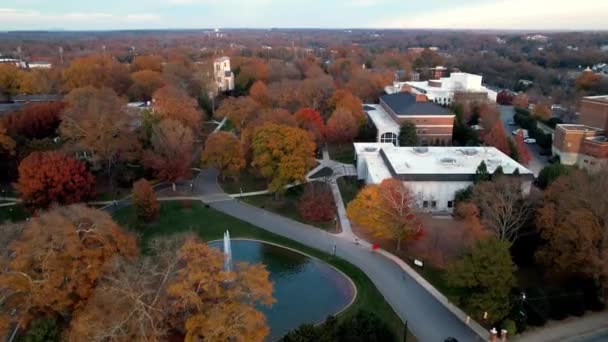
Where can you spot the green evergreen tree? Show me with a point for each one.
(486, 276)
(408, 135)
(482, 174)
(498, 172)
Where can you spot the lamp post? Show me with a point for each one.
(405, 331)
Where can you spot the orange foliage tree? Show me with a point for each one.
(282, 154)
(523, 152)
(53, 177)
(344, 99)
(259, 93)
(97, 71)
(494, 134)
(224, 152)
(145, 83)
(174, 103)
(311, 120)
(171, 151)
(588, 80)
(9, 80)
(521, 101)
(542, 111)
(152, 63)
(145, 202)
(57, 260)
(342, 127)
(7, 144)
(214, 311)
(35, 121)
(386, 211)
(239, 110)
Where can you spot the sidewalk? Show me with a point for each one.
(571, 329)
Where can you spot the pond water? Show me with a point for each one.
(306, 290)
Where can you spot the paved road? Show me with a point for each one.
(428, 319)
(538, 162)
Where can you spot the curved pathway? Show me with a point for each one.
(428, 319)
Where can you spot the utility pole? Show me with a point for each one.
(405, 331)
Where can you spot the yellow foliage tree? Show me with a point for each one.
(224, 152)
(385, 210)
(282, 154)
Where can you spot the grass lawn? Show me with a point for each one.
(227, 126)
(13, 213)
(209, 224)
(349, 188)
(324, 172)
(247, 180)
(286, 205)
(344, 153)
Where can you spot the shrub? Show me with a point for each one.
(144, 200)
(510, 326)
(536, 307)
(317, 203)
(42, 330)
(557, 303)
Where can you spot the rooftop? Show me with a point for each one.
(435, 161)
(381, 119)
(600, 98)
(577, 128)
(223, 58)
(404, 104)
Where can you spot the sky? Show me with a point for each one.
(175, 14)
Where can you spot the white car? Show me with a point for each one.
(530, 141)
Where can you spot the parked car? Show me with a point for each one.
(530, 141)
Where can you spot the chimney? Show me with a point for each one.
(503, 335)
(421, 98)
(493, 335)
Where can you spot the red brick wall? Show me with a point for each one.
(594, 113)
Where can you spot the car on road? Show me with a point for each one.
(530, 141)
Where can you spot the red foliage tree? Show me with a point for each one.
(342, 127)
(311, 120)
(53, 177)
(317, 204)
(505, 98)
(523, 152)
(36, 121)
(496, 137)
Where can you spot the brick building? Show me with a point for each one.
(585, 144)
(434, 124)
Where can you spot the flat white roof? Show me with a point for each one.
(438, 160)
(383, 121)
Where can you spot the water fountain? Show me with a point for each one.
(227, 252)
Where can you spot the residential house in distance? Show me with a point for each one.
(40, 65)
(433, 174)
(444, 89)
(585, 144)
(224, 78)
(434, 124)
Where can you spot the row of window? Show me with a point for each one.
(433, 204)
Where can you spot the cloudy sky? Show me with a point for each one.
(456, 14)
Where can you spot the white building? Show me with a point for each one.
(433, 174)
(442, 90)
(40, 65)
(224, 78)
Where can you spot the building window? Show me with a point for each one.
(425, 204)
(450, 204)
(389, 138)
(433, 204)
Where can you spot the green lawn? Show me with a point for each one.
(247, 181)
(209, 224)
(349, 188)
(13, 213)
(344, 153)
(324, 172)
(286, 205)
(228, 126)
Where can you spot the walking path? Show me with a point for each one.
(587, 328)
(428, 318)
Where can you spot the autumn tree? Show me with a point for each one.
(95, 121)
(57, 260)
(212, 310)
(9, 80)
(40, 81)
(367, 85)
(224, 152)
(38, 121)
(145, 202)
(408, 135)
(145, 83)
(542, 112)
(239, 110)
(502, 205)
(317, 203)
(386, 210)
(282, 154)
(311, 120)
(342, 127)
(495, 136)
(53, 177)
(174, 103)
(7, 144)
(278, 116)
(151, 63)
(486, 273)
(523, 152)
(171, 151)
(316, 92)
(259, 93)
(99, 71)
(573, 221)
(344, 99)
(588, 80)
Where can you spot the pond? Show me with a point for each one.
(306, 290)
